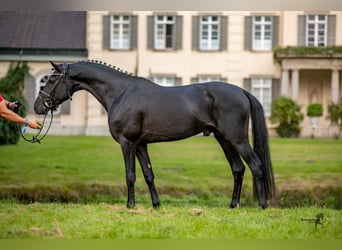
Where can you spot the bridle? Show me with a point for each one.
(47, 101)
(46, 97)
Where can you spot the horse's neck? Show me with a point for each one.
(104, 90)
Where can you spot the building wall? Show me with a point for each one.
(234, 64)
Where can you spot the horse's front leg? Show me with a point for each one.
(146, 167)
(129, 150)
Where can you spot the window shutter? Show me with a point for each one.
(331, 30)
(150, 32)
(178, 32)
(29, 92)
(106, 31)
(301, 30)
(224, 32)
(195, 32)
(248, 33)
(275, 38)
(194, 79)
(223, 79)
(275, 88)
(178, 81)
(247, 85)
(134, 32)
(65, 108)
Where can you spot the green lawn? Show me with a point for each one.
(106, 221)
(191, 175)
(193, 167)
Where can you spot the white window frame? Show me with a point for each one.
(209, 32)
(316, 30)
(166, 81)
(120, 32)
(261, 88)
(262, 33)
(41, 81)
(161, 24)
(208, 78)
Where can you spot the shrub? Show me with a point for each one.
(11, 88)
(315, 109)
(286, 113)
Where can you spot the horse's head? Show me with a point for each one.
(57, 89)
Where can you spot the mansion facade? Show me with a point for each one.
(180, 48)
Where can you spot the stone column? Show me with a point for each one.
(334, 86)
(295, 84)
(285, 83)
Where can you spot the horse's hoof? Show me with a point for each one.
(234, 205)
(157, 205)
(130, 206)
(264, 206)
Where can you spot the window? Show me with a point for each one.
(262, 33)
(209, 34)
(164, 30)
(208, 78)
(120, 32)
(316, 30)
(261, 88)
(166, 81)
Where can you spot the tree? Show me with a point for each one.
(287, 114)
(11, 88)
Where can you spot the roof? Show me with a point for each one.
(51, 31)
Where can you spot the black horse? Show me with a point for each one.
(142, 112)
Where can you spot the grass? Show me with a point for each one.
(194, 182)
(106, 221)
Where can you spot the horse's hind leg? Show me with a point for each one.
(255, 165)
(237, 166)
(146, 167)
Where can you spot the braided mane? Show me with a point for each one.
(108, 66)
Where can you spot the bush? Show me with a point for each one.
(286, 113)
(315, 109)
(11, 88)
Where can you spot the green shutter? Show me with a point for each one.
(331, 30)
(275, 37)
(224, 33)
(178, 32)
(106, 31)
(301, 30)
(65, 108)
(134, 32)
(195, 33)
(248, 33)
(275, 88)
(150, 32)
(178, 81)
(29, 92)
(247, 85)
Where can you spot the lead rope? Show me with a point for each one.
(35, 138)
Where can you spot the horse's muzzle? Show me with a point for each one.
(39, 107)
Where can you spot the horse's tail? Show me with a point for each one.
(260, 144)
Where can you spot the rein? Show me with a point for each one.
(35, 138)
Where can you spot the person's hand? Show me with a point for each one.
(34, 125)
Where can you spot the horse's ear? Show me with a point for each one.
(55, 66)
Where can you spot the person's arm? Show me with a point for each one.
(13, 117)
